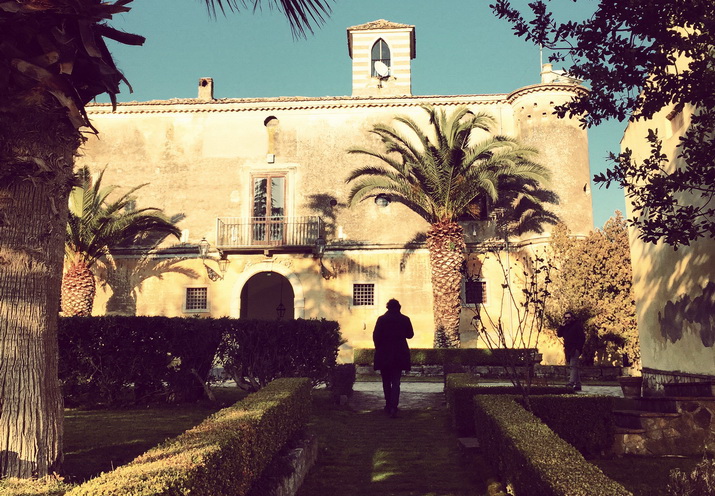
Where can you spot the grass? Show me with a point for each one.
(645, 476)
(99, 440)
(370, 453)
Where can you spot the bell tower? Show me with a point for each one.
(382, 52)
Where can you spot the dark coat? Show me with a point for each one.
(574, 336)
(392, 330)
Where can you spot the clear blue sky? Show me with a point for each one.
(462, 48)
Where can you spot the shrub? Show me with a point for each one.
(254, 352)
(459, 356)
(116, 359)
(585, 422)
(701, 481)
(460, 390)
(224, 455)
(531, 457)
(342, 379)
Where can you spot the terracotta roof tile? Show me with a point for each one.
(380, 24)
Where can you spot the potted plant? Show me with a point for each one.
(631, 385)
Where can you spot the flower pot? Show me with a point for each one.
(631, 386)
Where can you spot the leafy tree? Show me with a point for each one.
(94, 226)
(593, 280)
(642, 57)
(440, 175)
(53, 61)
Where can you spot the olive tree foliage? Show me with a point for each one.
(640, 58)
(593, 280)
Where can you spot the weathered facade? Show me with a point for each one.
(263, 181)
(674, 290)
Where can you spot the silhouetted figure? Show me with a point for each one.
(574, 339)
(392, 355)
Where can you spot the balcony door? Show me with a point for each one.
(269, 193)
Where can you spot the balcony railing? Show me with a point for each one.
(263, 232)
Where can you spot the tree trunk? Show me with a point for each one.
(445, 241)
(36, 160)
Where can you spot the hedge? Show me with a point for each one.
(458, 356)
(460, 389)
(531, 457)
(585, 422)
(224, 455)
(47, 486)
(255, 352)
(117, 360)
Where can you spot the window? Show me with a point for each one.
(269, 203)
(380, 53)
(363, 294)
(475, 291)
(197, 300)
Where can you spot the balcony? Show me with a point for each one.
(260, 233)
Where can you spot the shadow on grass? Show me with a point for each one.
(100, 440)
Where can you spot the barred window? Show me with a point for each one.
(363, 294)
(196, 299)
(475, 291)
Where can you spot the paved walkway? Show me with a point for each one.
(368, 395)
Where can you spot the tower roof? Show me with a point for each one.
(382, 24)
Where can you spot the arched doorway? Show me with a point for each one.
(267, 296)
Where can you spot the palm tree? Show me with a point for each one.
(441, 175)
(94, 226)
(53, 61)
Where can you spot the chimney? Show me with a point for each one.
(547, 73)
(206, 89)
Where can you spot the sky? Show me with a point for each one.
(461, 48)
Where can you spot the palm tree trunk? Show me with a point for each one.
(78, 290)
(36, 159)
(445, 241)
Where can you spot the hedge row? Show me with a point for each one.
(255, 352)
(531, 457)
(119, 360)
(451, 356)
(585, 422)
(224, 455)
(460, 390)
(115, 360)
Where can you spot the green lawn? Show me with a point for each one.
(369, 453)
(99, 440)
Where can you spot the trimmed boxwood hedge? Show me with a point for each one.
(585, 422)
(224, 455)
(458, 356)
(461, 388)
(531, 457)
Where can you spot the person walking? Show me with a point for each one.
(392, 355)
(574, 338)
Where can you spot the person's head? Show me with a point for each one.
(394, 305)
(568, 317)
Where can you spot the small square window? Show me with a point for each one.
(196, 300)
(363, 294)
(475, 291)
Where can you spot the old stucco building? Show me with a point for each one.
(262, 180)
(674, 289)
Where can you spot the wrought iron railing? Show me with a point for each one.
(257, 232)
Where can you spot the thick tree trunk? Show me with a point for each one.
(36, 160)
(445, 242)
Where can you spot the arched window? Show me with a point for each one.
(380, 53)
